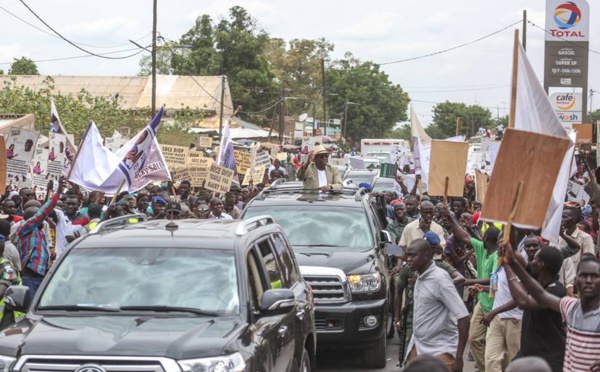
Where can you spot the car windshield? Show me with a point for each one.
(384, 184)
(358, 178)
(321, 226)
(202, 279)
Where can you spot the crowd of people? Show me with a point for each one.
(458, 282)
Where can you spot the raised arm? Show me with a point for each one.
(460, 235)
(519, 294)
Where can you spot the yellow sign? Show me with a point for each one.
(243, 160)
(256, 176)
(175, 156)
(219, 179)
(205, 142)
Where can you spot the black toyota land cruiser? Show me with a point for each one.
(338, 239)
(186, 295)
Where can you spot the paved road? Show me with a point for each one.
(342, 361)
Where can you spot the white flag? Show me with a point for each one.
(421, 146)
(534, 113)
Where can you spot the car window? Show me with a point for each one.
(256, 282)
(274, 280)
(308, 226)
(289, 269)
(116, 277)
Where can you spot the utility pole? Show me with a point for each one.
(281, 115)
(221, 113)
(524, 29)
(154, 18)
(324, 95)
(345, 127)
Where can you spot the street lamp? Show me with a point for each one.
(344, 128)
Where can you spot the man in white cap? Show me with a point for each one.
(317, 174)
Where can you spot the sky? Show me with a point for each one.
(377, 30)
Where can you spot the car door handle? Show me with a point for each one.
(300, 314)
(282, 331)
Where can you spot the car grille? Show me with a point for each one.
(71, 364)
(329, 285)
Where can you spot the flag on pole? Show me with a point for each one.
(420, 146)
(57, 127)
(226, 156)
(534, 113)
(139, 161)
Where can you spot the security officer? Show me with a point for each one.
(8, 276)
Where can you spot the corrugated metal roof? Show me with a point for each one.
(197, 92)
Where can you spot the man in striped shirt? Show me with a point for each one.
(582, 316)
(33, 245)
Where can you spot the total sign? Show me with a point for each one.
(568, 107)
(567, 20)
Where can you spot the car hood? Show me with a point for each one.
(118, 335)
(349, 262)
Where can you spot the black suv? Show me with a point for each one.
(339, 240)
(161, 296)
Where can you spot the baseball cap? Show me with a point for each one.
(173, 207)
(432, 238)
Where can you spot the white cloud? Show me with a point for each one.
(375, 25)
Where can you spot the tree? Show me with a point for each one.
(381, 104)
(164, 55)
(234, 47)
(471, 119)
(593, 116)
(297, 68)
(402, 132)
(23, 66)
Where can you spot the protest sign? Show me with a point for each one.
(2, 161)
(533, 160)
(20, 148)
(282, 156)
(262, 158)
(448, 160)
(274, 152)
(576, 193)
(180, 174)
(56, 156)
(205, 142)
(197, 159)
(219, 179)
(493, 150)
(338, 161)
(243, 161)
(198, 175)
(114, 144)
(584, 133)
(311, 142)
(175, 156)
(357, 163)
(39, 171)
(256, 176)
(481, 185)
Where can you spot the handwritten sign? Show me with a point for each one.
(198, 175)
(205, 142)
(175, 156)
(256, 176)
(243, 160)
(219, 179)
(197, 159)
(282, 156)
(180, 174)
(262, 158)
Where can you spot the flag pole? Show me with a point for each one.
(513, 90)
(114, 198)
(79, 149)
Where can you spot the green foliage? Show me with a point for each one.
(402, 132)
(23, 66)
(234, 47)
(75, 111)
(593, 116)
(471, 119)
(381, 104)
(164, 54)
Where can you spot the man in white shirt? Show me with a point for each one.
(317, 174)
(418, 228)
(216, 210)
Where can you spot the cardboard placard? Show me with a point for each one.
(262, 158)
(533, 159)
(197, 159)
(175, 156)
(256, 176)
(205, 142)
(481, 185)
(584, 133)
(219, 179)
(20, 149)
(198, 175)
(114, 144)
(180, 174)
(2, 161)
(282, 156)
(243, 161)
(448, 160)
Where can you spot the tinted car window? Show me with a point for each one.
(288, 268)
(307, 226)
(115, 277)
(271, 264)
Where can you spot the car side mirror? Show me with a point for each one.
(393, 250)
(277, 301)
(16, 298)
(385, 237)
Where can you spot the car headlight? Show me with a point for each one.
(225, 363)
(6, 363)
(364, 283)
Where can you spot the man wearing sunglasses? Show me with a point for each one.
(317, 174)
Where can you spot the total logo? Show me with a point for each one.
(565, 102)
(566, 16)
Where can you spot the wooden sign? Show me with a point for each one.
(197, 159)
(481, 185)
(243, 161)
(180, 174)
(175, 156)
(198, 175)
(534, 160)
(256, 176)
(219, 179)
(584, 133)
(448, 160)
(2, 161)
(205, 142)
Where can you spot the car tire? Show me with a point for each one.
(390, 329)
(305, 364)
(375, 356)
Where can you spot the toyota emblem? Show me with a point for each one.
(90, 368)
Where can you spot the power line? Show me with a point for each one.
(563, 39)
(70, 42)
(53, 35)
(449, 49)
(81, 56)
